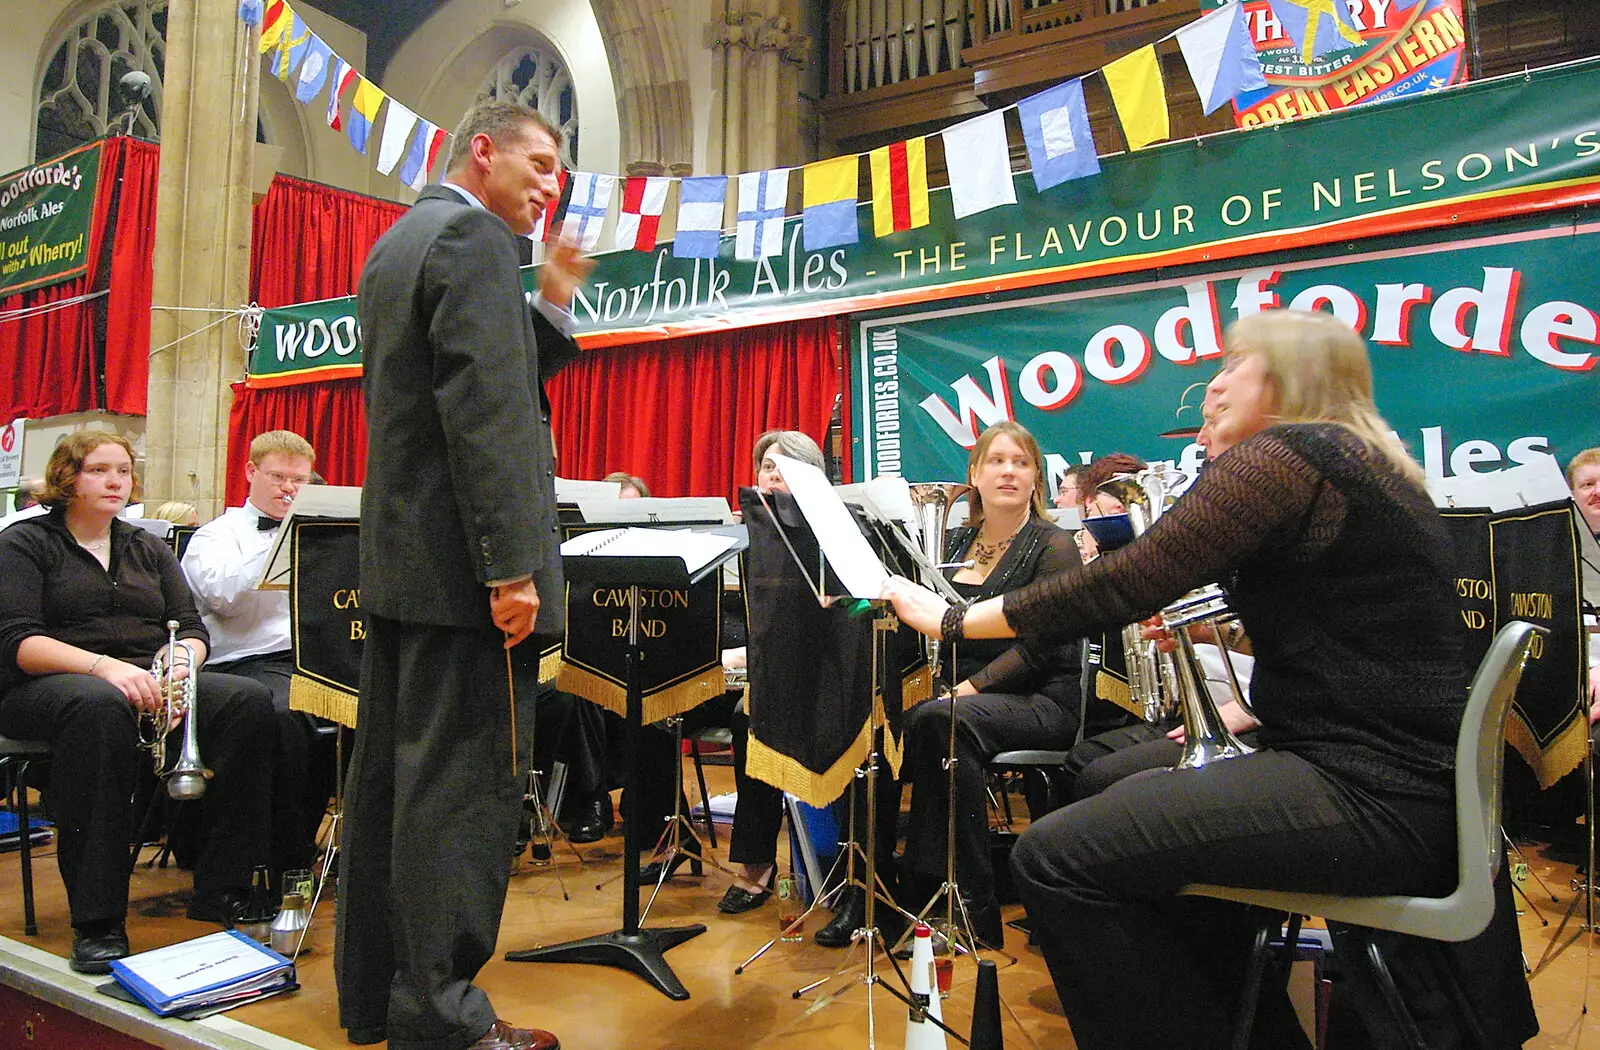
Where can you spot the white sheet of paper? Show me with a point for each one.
(312, 501)
(683, 508)
(696, 549)
(850, 556)
(571, 490)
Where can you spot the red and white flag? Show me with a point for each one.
(344, 74)
(643, 198)
(554, 209)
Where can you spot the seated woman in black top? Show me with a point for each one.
(1316, 519)
(84, 603)
(1007, 695)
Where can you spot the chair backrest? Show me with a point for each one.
(1480, 747)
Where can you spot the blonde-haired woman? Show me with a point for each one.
(1315, 518)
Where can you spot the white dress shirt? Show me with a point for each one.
(223, 562)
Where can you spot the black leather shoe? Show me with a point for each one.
(593, 822)
(94, 954)
(223, 907)
(987, 924)
(739, 900)
(849, 914)
(688, 851)
(366, 1036)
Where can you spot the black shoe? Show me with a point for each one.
(594, 820)
(849, 915)
(739, 900)
(94, 954)
(687, 851)
(987, 925)
(366, 1036)
(223, 907)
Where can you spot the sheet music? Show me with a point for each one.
(1540, 481)
(696, 549)
(850, 556)
(312, 501)
(572, 490)
(687, 508)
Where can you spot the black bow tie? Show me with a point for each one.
(266, 524)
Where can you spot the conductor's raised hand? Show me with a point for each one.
(514, 607)
(565, 268)
(918, 608)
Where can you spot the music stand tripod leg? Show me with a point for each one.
(630, 948)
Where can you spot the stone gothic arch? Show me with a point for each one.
(654, 110)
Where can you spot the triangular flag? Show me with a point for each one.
(980, 178)
(1221, 56)
(279, 17)
(292, 48)
(700, 203)
(828, 202)
(1319, 27)
(423, 152)
(763, 198)
(313, 70)
(250, 12)
(544, 227)
(1055, 127)
(586, 211)
(899, 186)
(364, 112)
(396, 133)
(644, 198)
(1140, 96)
(343, 75)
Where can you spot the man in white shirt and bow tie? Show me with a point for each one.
(250, 633)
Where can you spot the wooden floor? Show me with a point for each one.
(597, 1008)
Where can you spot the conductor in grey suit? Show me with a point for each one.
(458, 547)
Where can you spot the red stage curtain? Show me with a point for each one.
(51, 364)
(308, 242)
(684, 413)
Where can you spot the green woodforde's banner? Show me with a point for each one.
(1501, 147)
(1483, 353)
(45, 212)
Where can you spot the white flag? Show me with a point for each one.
(396, 136)
(586, 211)
(979, 164)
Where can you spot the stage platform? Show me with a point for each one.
(596, 1008)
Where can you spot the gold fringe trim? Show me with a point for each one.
(894, 750)
(324, 701)
(787, 774)
(1563, 754)
(1110, 687)
(915, 687)
(664, 703)
(550, 664)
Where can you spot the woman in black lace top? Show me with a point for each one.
(1315, 519)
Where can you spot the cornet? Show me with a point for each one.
(188, 776)
(933, 501)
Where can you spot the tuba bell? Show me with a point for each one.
(1164, 684)
(932, 501)
(188, 775)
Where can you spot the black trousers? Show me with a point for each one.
(430, 818)
(94, 740)
(1099, 761)
(1100, 878)
(986, 724)
(305, 766)
(758, 816)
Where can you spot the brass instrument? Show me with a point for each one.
(933, 501)
(1163, 683)
(187, 778)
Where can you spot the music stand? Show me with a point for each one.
(633, 948)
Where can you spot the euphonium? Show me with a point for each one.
(933, 501)
(188, 776)
(1164, 683)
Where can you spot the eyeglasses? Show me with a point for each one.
(287, 479)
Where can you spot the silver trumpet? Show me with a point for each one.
(1163, 683)
(187, 777)
(933, 500)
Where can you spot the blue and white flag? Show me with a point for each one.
(586, 211)
(763, 196)
(250, 12)
(1221, 56)
(700, 202)
(1055, 126)
(1317, 27)
(313, 70)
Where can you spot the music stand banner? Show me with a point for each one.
(682, 642)
(325, 610)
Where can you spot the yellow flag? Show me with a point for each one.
(1140, 97)
(279, 16)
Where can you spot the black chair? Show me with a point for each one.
(21, 754)
(1041, 783)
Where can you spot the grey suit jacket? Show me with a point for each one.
(460, 468)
